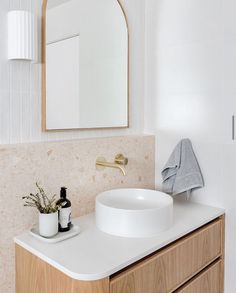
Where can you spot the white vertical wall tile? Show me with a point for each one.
(20, 108)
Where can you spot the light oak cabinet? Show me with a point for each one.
(192, 264)
(208, 281)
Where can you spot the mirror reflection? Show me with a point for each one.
(86, 65)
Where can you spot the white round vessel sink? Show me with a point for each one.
(134, 212)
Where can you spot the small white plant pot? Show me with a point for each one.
(48, 224)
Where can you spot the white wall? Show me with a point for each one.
(20, 83)
(191, 92)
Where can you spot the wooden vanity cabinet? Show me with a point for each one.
(192, 264)
(208, 281)
(33, 275)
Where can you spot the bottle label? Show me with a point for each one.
(65, 217)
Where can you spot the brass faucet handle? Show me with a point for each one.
(121, 160)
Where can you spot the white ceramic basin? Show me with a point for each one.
(134, 212)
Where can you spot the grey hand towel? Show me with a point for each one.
(182, 172)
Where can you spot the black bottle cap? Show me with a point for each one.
(63, 192)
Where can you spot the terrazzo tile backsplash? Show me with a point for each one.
(70, 164)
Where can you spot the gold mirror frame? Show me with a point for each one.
(43, 58)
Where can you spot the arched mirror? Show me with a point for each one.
(85, 65)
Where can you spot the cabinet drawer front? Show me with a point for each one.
(171, 267)
(207, 282)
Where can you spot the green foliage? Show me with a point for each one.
(42, 202)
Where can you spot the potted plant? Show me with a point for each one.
(48, 211)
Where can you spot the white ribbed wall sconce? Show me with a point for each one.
(22, 35)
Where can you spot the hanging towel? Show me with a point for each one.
(182, 172)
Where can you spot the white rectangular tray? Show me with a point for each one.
(60, 236)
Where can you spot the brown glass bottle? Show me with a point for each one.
(64, 216)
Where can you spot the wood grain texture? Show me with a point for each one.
(36, 276)
(186, 264)
(222, 276)
(206, 282)
(171, 267)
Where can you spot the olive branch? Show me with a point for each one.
(42, 202)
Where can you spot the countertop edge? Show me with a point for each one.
(103, 275)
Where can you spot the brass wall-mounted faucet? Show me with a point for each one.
(120, 162)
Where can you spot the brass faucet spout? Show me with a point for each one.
(119, 163)
(122, 169)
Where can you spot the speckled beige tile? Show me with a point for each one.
(70, 164)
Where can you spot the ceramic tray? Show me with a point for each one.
(75, 230)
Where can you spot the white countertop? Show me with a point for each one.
(94, 255)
